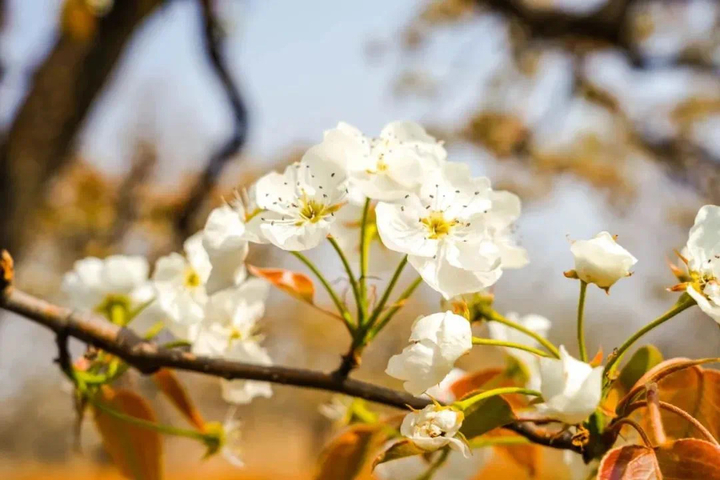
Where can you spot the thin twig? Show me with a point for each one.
(213, 39)
(148, 358)
(636, 426)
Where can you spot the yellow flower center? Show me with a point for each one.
(235, 334)
(313, 211)
(437, 225)
(192, 279)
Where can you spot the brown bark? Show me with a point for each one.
(63, 90)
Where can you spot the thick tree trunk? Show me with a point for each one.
(62, 92)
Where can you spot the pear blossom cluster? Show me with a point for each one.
(453, 229)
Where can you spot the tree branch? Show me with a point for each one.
(62, 92)
(608, 26)
(213, 39)
(148, 357)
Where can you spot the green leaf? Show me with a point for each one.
(401, 449)
(641, 362)
(486, 415)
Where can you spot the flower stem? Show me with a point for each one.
(139, 422)
(683, 303)
(386, 295)
(336, 300)
(364, 257)
(351, 276)
(581, 322)
(395, 308)
(496, 317)
(469, 402)
(501, 343)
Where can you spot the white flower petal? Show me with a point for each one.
(571, 389)
(601, 260)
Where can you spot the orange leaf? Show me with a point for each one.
(686, 459)
(689, 459)
(136, 451)
(296, 284)
(598, 358)
(662, 370)
(347, 456)
(632, 462)
(695, 390)
(170, 385)
(474, 381)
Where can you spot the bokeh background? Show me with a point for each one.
(124, 123)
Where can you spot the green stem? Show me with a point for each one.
(502, 343)
(469, 402)
(386, 295)
(496, 317)
(139, 422)
(364, 257)
(683, 303)
(336, 300)
(351, 276)
(395, 308)
(581, 322)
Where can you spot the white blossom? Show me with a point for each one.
(437, 341)
(388, 167)
(601, 260)
(534, 323)
(703, 250)
(571, 389)
(231, 315)
(501, 219)
(299, 206)
(442, 392)
(452, 233)
(93, 281)
(434, 427)
(224, 240)
(232, 447)
(180, 283)
(244, 391)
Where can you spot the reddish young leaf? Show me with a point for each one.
(347, 456)
(689, 459)
(474, 381)
(597, 360)
(633, 462)
(170, 385)
(296, 284)
(136, 451)
(660, 371)
(696, 391)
